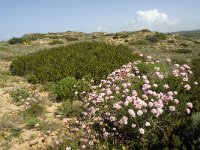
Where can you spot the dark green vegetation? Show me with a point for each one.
(182, 51)
(156, 37)
(15, 40)
(189, 34)
(77, 60)
(54, 42)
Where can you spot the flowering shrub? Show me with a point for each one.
(140, 110)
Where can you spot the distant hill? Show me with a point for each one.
(189, 34)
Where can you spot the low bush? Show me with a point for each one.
(77, 60)
(151, 38)
(156, 37)
(15, 40)
(171, 41)
(65, 88)
(160, 36)
(55, 42)
(184, 45)
(196, 67)
(140, 42)
(182, 51)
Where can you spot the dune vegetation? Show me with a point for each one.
(128, 90)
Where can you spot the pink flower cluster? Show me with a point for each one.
(128, 98)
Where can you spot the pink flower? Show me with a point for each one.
(117, 106)
(112, 118)
(131, 113)
(133, 125)
(134, 93)
(195, 83)
(141, 130)
(123, 120)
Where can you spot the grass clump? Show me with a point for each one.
(19, 95)
(77, 60)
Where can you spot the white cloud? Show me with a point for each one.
(153, 20)
(151, 16)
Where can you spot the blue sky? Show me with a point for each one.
(41, 16)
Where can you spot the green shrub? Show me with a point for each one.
(70, 109)
(78, 60)
(196, 67)
(171, 41)
(156, 37)
(184, 45)
(160, 36)
(151, 38)
(65, 88)
(15, 40)
(71, 38)
(140, 42)
(54, 42)
(182, 51)
(145, 30)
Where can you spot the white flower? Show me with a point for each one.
(187, 87)
(166, 86)
(141, 130)
(188, 110)
(155, 85)
(147, 124)
(139, 112)
(68, 148)
(172, 108)
(189, 105)
(133, 125)
(150, 104)
(176, 101)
